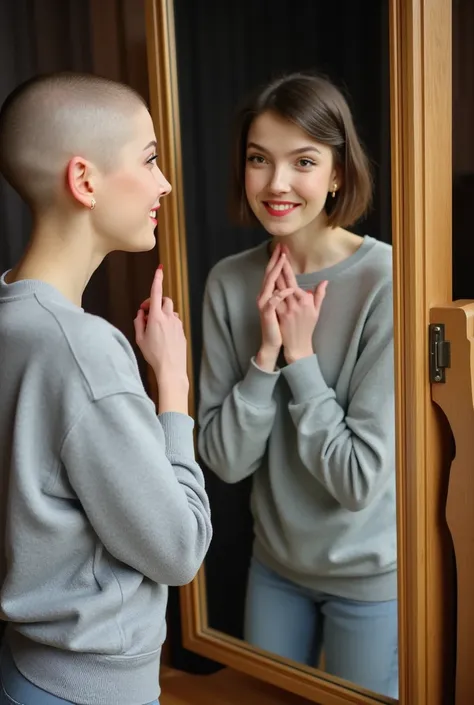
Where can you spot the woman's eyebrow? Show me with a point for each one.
(300, 150)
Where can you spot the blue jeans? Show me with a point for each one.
(17, 690)
(360, 639)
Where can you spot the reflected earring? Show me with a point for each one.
(334, 189)
(92, 204)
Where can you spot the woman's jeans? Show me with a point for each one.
(17, 690)
(360, 639)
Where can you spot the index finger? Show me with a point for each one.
(156, 293)
(270, 280)
(274, 258)
(289, 275)
(319, 294)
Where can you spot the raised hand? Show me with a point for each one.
(268, 300)
(160, 336)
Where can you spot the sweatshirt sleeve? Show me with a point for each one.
(351, 453)
(140, 486)
(236, 411)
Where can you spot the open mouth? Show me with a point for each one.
(278, 209)
(152, 215)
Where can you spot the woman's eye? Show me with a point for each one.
(256, 159)
(152, 159)
(306, 162)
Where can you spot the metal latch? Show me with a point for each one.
(440, 353)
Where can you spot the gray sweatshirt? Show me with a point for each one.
(317, 435)
(102, 503)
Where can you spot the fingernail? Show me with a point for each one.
(160, 266)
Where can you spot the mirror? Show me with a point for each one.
(298, 566)
(198, 76)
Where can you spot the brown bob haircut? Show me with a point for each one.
(314, 104)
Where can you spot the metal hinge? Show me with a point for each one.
(440, 353)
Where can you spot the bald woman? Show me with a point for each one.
(102, 503)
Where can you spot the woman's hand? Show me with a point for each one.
(269, 298)
(160, 336)
(298, 315)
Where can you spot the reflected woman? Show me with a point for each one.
(297, 387)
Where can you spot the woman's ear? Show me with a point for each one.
(337, 177)
(80, 180)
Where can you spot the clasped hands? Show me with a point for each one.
(288, 314)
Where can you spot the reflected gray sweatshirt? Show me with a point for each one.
(102, 503)
(317, 435)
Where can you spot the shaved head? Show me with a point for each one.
(48, 120)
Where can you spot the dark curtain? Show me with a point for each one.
(35, 38)
(463, 149)
(225, 49)
(106, 37)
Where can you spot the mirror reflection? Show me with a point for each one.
(291, 306)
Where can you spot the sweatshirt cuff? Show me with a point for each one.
(178, 429)
(305, 379)
(258, 385)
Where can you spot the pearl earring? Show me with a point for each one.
(334, 189)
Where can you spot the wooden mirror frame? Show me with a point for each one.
(421, 143)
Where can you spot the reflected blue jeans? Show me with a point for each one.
(17, 690)
(360, 639)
